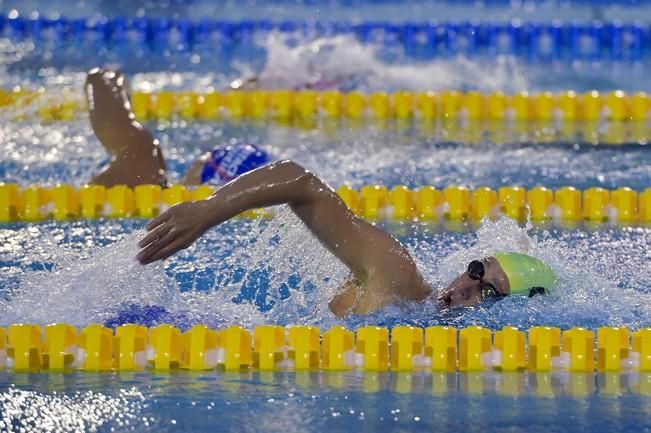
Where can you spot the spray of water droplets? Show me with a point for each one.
(277, 272)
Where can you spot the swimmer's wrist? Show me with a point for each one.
(212, 212)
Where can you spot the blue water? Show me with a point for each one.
(327, 402)
(338, 10)
(357, 155)
(254, 272)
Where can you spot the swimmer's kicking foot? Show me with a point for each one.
(382, 271)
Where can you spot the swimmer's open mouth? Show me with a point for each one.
(443, 302)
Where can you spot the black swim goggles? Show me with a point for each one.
(476, 272)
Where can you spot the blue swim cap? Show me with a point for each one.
(229, 161)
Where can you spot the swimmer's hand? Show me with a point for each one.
(173, 230)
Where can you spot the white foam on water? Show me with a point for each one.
(87, 285)
(289, 63)
(344, 58)
(94, 284)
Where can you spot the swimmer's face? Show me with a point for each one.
(465, 291)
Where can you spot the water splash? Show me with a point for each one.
(87, 290)
(295, 61)
(343, 61)
(276, 272)
(260, 275)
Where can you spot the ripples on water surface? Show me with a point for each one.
(313, 402)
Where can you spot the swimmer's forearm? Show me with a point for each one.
(352, 240)
(273, 184)
(277, 183)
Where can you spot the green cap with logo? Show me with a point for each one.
(525, 273)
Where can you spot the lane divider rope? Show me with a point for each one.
(427, 203)
(533, 41)
(569, 106)
(61, 347)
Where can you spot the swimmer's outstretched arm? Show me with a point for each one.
(375, 258)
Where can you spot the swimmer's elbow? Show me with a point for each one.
(93, 77)
(305, 182)
(291, 167)
(301, 186)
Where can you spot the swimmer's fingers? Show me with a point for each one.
(167, 246)
(157, 233)
(172, 249)
(160, 219)
(150, 250)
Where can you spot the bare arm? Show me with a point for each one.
(109, 110)
(136, 156)
(370, 253)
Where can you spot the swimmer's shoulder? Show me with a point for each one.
(392, 269)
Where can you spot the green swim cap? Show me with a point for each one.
(525, 272)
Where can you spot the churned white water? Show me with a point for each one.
(276, 272)
(286, 60)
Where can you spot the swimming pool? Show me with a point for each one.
(336, 402)
(254, 272)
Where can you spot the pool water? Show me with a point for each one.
(312, 402)
(253, 272)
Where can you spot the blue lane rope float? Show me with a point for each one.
(373, 202)
(530, 40)
(130, 347)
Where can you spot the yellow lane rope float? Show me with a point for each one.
(61, 347)
(333, 104)
(458, 203)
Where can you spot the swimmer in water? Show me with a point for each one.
(136, 156)
(382, 270)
